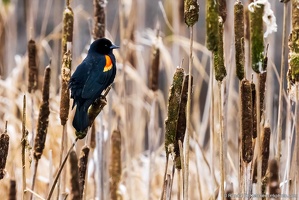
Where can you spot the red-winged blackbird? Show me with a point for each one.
(92, 76)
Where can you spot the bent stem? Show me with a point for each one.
(60, 169)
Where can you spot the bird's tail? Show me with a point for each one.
(80, 121)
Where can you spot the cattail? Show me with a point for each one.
(12, 190)
(65, 94)
(239, 38)
(43, 118)
(154, 69)
(93, 137)
(4, 145)
(181, 123)
(254, 114)
(256, 37)
(82, 168)
(99, 19)
(115, 164)
(191, 10)
(262, 84)
(274, 188)
(68, 26)
(246, 120)
(218, 55)
(222, 10)
(75, 187)
(212, 33)
(33, 69)
(265, 149)
(173, 110)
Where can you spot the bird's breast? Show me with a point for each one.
(108, 65)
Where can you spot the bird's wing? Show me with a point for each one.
(97, 81)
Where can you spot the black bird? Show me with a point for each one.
(95, 73)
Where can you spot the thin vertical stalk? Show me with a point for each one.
(24, 142)
(281, 86)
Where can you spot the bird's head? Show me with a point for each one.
(102, 46)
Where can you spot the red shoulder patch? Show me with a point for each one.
(108, 65)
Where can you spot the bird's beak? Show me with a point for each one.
(114, 47)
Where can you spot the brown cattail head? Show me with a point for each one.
(222, 10)
(65, 94)
(181, 123)
(154, 68)
(191, 12)
(254, 114)
(246, 120)
(93, 137)
(115, 164)
(212, 24)
(265, 149)
(257, 37)
(4, 145)
(274, 188)
(99, 19)
(218, 55)
(75, 187)
(83, 160)
(173, 110)
(239, 38)
(32, 64)
(43, 118)
(68, 26)
(262, 84)
(12, 190)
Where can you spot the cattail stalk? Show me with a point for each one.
(282, 82)
(24, 143)
(173, 110)
(75, 187)
(33, 69)
(43, 121)
(12, 190)
(4, 145)
(99, 19)
(191, 14)
(246, 121)
(239, 38)
(257, 38)
(181, 123)
(83, 161)
(212, 25)
(115, 164)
